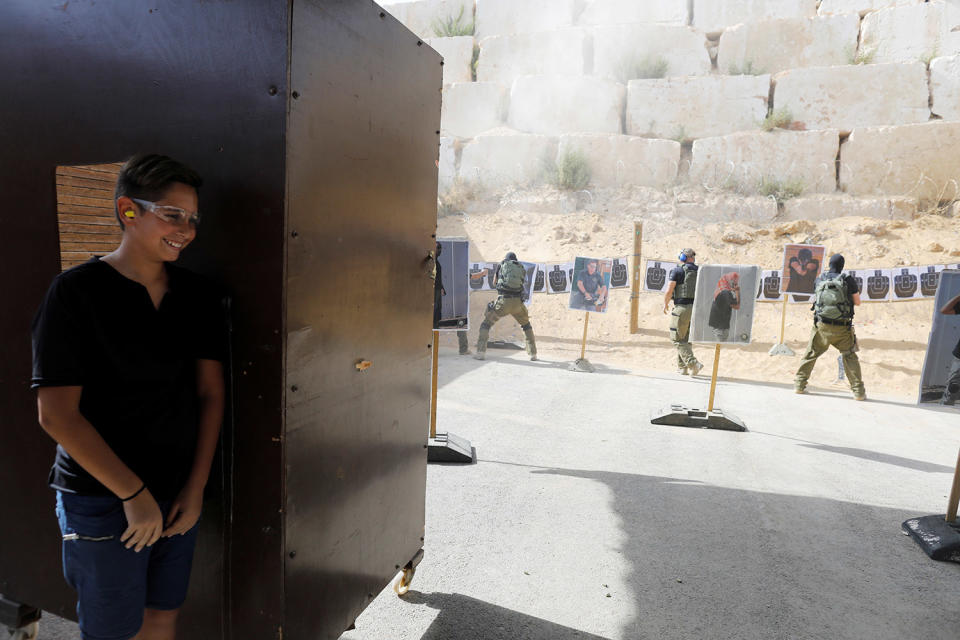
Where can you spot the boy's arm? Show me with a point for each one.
(59, 415)
(948, 309)
(185, 510)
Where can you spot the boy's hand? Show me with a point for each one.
(144, 521)
(185, 511)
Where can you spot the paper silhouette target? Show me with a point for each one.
(591, 284)
(906, 283)
(655, 275)
(724, 303)
(558, 277)
(619, 276)
(929, 279)
(769, 289)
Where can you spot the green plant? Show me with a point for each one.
(450, 27)
(780, 118)
(781, 190)
(474, 61)
(680, 135)
(747, 69)
(572, 171)
(644, 68)
(863, 55)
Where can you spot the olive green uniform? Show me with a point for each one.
(506, 304)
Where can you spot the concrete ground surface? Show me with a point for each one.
(582, 520)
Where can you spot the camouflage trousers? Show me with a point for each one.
(680, 334)
(822, 337)
(498, 309)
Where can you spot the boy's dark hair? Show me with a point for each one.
(147, 176)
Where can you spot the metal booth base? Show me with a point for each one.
(781, 350)
(447, 447)
(937, 537)
(582, 365)
(680, 416)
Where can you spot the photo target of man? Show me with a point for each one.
(591, 284)
(801, 265)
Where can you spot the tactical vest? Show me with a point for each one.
(511, 277)
(686, 288)
(831, 298)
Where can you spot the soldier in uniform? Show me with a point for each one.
(683, 283)
(509, 282)
(835, 295)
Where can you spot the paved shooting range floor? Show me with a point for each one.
(582, 520)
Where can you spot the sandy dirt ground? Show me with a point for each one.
(892, 335)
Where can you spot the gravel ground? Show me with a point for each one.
(582, 520)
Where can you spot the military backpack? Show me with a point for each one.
(831, 298)
(511, 277)
(686, 289)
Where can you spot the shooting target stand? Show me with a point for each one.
(444, 447)
(680, 416)
(781, 349)
(581, 364)
(939, 535)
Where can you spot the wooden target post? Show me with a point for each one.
(582, 364)
(635, 282)
(445, 447)
(713, 378)
(781, 349)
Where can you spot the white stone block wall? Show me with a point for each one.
(457, 55)
(495, 161)
(419, 16)
(910, 33)
(613, 12)
(918, 160)
(566, 104)
(770, 46)
(696, 107)
(860, 7)
(853, 96)
(744, 159)
(618, 49)
(503, 17)
(717, 15)
(503, 59)
(830, 206)
(447, 167)
(945, 87)
(470, 108)
(619, 160)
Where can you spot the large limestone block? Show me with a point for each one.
(620, 52)
(911, 32)
(498, 160)
(717, 15)
(566, 104)
(830, 206)
(860, 7)
(945, 87)
(696, 107)
(805, 160)
(612, 12)
(447, 165)
(502, 17)
(503, 59)
(423, 16)
(854, 95)
(617, 160)
(770, 46)
(457, 55)
(918, 160)
(470, 108)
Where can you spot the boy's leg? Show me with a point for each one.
(463, 343)
(158, 625)
(951, 388)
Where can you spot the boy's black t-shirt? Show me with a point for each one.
(136, 363)
(956, 349)
(721, 310)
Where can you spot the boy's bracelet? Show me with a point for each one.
(138, 492)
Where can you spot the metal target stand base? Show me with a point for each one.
(681, 416)
(582, 365)
(938, 538)
(446, 447)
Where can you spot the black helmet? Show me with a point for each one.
(511, 256)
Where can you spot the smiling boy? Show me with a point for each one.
(127, 363)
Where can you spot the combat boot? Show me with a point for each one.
(531, 342)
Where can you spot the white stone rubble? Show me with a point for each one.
(470, 108)
(498, 160)
(945, 87)
(717, 15)
(696, 107)
(618, 160)
(502, 17)
(566, 104)
(619, 51)
(457, 55)
(503, 59)
(917, 160)
(853, 96)
(776, 45)
(612, 12)
(830, 206)
(804, 159)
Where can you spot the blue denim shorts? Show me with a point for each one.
(115, 584)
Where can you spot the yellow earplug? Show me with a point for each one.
(129, 214)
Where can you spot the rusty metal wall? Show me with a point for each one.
(206, 82)
(362, 183)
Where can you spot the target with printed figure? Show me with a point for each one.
(906, 283)
(878, 284)
(655, 275)
(929, 279)
(619, 276)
